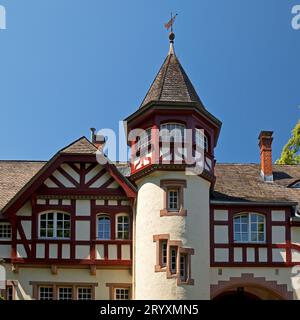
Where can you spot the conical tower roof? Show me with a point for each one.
(171, 84)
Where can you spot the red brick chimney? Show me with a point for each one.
(265, 145)
(97, 140)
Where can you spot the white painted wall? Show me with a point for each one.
(193, 230)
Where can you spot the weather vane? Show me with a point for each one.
(169, 24)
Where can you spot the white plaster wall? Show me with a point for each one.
(221, 215)
(27, 229)
(221, 234)
(73, 276)
(5, 251)
(82, 230)
(83, 207)
(25, 210)
(193, 230)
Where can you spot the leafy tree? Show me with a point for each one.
(290, 151)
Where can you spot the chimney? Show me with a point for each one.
(97, 139)
(265, 144)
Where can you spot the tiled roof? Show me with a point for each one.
(242, 182)
(80, 146)
(171, 84)
(13, 177)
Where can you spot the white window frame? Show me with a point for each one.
(6, 232)
(173, 128)
(123, 232)
(144, 140)
(90, 293)
(54, 225)
(172, 250)
(123, 294)
(249, 231)
(183, 267)
(164, 253)
(99, 216)
(64, 288)
(201, 139)
(46, 287)
(169, 190)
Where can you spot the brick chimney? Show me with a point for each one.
(97, 140)
(265, 144)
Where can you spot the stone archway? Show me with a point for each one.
(249, 287)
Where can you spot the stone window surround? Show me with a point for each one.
(171, 184)
(56, 285)
(180, 250)
(113, 286)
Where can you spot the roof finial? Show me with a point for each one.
(169, 25)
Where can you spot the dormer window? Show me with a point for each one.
(296, 185)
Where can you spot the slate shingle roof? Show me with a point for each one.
(242, 182)
(171, 84)
(80, 146)
(13, 177)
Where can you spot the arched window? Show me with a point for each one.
(103, 232)
(249, 227)
(122, 226)
(54, 225)
(172, 131)
(202, 139)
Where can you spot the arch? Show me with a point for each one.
(248, 280)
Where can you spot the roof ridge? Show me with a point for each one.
(165, 74)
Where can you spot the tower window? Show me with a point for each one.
(173, 260)
(173, 199)
(164, 252)
(143, 143)
(172, 132)
(202, 140)
(183, 267)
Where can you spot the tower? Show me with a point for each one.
(171, 222)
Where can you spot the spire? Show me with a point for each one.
(171, 84)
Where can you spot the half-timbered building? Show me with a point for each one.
(74, 228)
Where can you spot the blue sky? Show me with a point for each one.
(68, 65)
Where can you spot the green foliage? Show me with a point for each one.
(290, 151)
(1, 298)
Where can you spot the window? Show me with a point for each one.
(173, 199)
(65, 293)
(55, 225)
(121, 294)
(5, 231)
(173, 260)
(164, 252)
(45, 293)
(201, 139)
(103, 228)
(143, 143)
(84, 293)
(122, 227)
(170, 132)
(296, 185)
(183, 267)
(249, 227)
